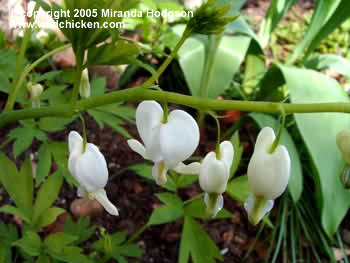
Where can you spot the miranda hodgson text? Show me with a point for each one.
(149, 12)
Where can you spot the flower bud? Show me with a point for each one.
(268, 174)
(209, 19)
(345, 177)
(35, 92)
(213, 176)
(84, 88)
(343, 142)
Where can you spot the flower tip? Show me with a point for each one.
(214, 203)
(257, 208)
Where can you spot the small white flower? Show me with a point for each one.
(84, 87)
(268, 175)
(90, 170)
(214, 175)
(167, 145)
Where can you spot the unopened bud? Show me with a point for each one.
(35, 92)
(209, 19)
(84, 88)
(343, 142)
(345, 177)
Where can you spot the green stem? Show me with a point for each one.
(140, 94)
(208, 69)
(84, 132)
(6, 142)
(165, 112)
(75, 92)
(280, 131)
(168, 60)
(137, 233)
(218, 139)
(12, 95)
(193, 198)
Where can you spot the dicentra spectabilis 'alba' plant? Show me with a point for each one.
(89, 167)
(213, 176)
(268, 175)
(84, 87)
(168, 144)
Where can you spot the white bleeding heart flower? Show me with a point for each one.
(268, 175)
(89, 167)
(84, 87)
(214, 175)
(168, 144)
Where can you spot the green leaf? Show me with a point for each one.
(239, 189)
(172, 210)
(56, 242)
(43, 259)
(53, 124)
(80, 229)
(184, 180)
(319, 131)
(24, 138)
(323, 9)
(98, 86)
(295, 184)
(338, 17)
(131, 250)
(112, 53)
(30, 243)
(230, 52)
(197, 243)
(44, 163)
(197, 209)
(9, 209)
(192, 51)
(49, 216)
(47, 194)
(276, 11)
(238, 150)
(18, 185)
(330, 61)
(229, 57)
(255, 68)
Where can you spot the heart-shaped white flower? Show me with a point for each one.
(168, 144)
(89, 167)
(268, 174)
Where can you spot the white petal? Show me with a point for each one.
(218, 206)
(136, 146)
(75, 142)
(227, 153)
(102, 198)
(256, 216)
(91, 169)
(159, 173)
(192, 168)
(268, 174)
(213, 174)
(149, 115)
(179, 137)
(265, 140)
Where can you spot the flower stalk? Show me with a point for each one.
(139, 94)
